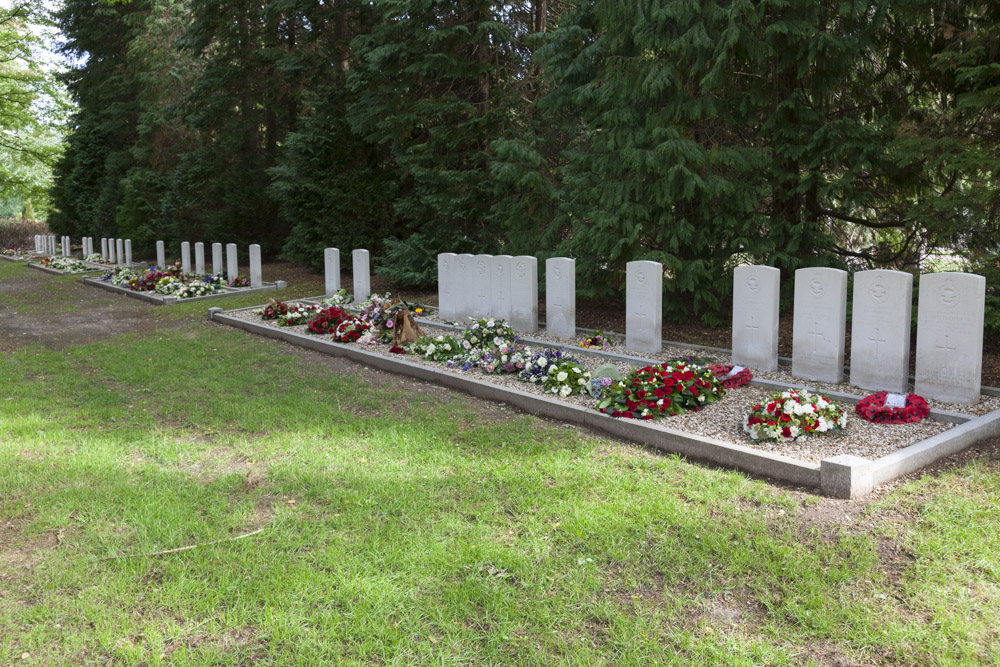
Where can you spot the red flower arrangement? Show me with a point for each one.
(350, 330)
(722, 371)
(395, 349)
(873, 408)
(326, 321)
(660, 391)
(273, 309)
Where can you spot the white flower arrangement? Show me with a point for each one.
(793, 414)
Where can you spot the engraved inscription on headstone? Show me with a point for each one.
(881, 306)
(481, 276)
(446, 286)
(524, 294)
(560, 297)
(820, 324)
(644, 306)
(755, 317)
(500, 285)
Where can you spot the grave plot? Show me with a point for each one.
(162, 285)
(674, 399)
(12, 254)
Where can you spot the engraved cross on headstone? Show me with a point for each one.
(875, 339)
(753, 326)
(814, 335)
(945, 346)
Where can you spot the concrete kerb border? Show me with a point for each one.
(57, 272)
(164, 300)
(22, 260)
(842, 476)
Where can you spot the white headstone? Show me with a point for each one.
(120, 251)
(560, 297)
(755, 317)
(104, 249)
(881, 307)
(36, 243)
(447, 262)
(481, 275)
(161, 255)
(128, 252)
(112, 251)
(216, 259)
(820, 324)
(464, 300)
(950, 318)
(65, 246)
(500, 267)
(256, 271)
(524, 294)
(186, 258)
(362, 275)
(88, 248)
(199, 258)
(232, 262)
(331, 266)
(644, 306)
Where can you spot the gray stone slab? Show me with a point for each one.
(524, 294)
(199, 258)
(820, 325)
(755, 317)
(464, 300)
(256, 270)
(232, 262)
(217, 259)
(361, 263)
(950, 322)
(331, 270)
(447, 264)
(186, 258)
(112, 251)
(560, 297)
(500, 282)
(104, 249)
(644, 306)
(481, 276)
(161, 254)
(120, 251)
(881, 308)
(128, 252)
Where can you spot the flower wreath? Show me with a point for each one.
(722, 371)
(350, 330)
(873, 408)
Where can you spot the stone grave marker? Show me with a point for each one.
(216, 259)
(199, 258)
(881, 308)
(112, 256)
(65, 246)
(500, 283)
(755, 317)
(560, 297)
(464, 301)
(161, 255)
(128, 252)
(232, 262)
(120, 251)
(361, 262)
(820, 324)
(104, 249)
(481, 275)
(950, 318)
(524, 294)
(446, 285)
(256, 270)
(644, 306)
(331, 267)
(186, 257)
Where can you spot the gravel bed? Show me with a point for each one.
(722, 420)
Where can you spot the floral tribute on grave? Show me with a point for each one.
(886, 408)
(327, 320)
(596, 341)
(379, 311)
(731, 376)
(660, 391)
(168, 281)
(64, 264)
(287, 314)
(792, 414)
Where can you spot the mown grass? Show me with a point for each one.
(403, 524)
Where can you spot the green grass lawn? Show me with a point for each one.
(404, 524)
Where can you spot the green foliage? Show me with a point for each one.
(607, 371)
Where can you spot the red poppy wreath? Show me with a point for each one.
(738, 379)
(873, 408)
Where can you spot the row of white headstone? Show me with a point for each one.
(232, 265)
(362, 273)
(950, 318)
(116, 251)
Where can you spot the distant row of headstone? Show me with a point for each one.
(949, 330)
(362, 273)
(950, 318)
(116, 251)
(232, 264)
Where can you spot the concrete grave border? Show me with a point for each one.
(165, 300)
(840, 476)
(57, 272)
